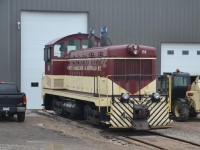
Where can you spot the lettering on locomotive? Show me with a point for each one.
(85, 68)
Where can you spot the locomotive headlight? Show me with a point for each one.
(135, 52)
(135, 47)
(124, 98)
(156, 97)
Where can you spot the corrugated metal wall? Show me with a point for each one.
(148, 22)
(5, 56)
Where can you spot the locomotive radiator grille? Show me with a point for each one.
(58, 83)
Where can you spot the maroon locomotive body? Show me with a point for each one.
(94, 80)
(119, 62)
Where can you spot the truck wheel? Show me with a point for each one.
(192, 113)
(21, 116)
(180, 111)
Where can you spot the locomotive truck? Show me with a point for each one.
(111, 85)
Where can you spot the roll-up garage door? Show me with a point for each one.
(37, 29)
(185, 56)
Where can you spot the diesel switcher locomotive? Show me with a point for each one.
(111, 85)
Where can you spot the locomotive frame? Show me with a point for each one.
(113, 85)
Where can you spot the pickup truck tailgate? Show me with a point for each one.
(13, 99)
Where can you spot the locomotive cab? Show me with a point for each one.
(60, 48)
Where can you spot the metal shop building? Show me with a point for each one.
(172, 26)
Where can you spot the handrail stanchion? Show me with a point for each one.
(94, 86)
(112, 91)
(98, 84)
(107, 93)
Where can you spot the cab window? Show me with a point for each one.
(163, 84)
(63, 48)
(73, 45)
(57, 51)
(180, 81)
(47, 54)
(84, 44)
(60, 50)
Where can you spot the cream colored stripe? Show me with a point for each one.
(159, 108)
(112, 123)
(121, 117)
(104, 58)
(158, 117)
(152, 107)
(128, 111)
(119, 120)
(113, 118)
(164, 119)
(161, 116)
(116, 106)
(116, 121)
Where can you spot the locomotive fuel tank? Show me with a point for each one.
(73, 108)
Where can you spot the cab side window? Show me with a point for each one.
(180, 81)
(73, 45)
(60, 50)
(47, 54)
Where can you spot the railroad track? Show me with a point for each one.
(77, 123)
(147, 139)
(154, 140)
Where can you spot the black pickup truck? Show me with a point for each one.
(12, 101)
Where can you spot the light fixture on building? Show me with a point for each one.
(18, 25)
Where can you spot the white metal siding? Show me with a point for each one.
(186, 63)
(38, 28)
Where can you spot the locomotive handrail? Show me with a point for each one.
(98, 92)
(107, 94)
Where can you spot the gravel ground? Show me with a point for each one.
(42, 132)
(189, 130)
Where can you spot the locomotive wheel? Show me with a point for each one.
(180, 111)
(192, 113)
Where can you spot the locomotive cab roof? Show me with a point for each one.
(78, 36)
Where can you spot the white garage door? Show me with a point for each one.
(185, 56)
(38, 28)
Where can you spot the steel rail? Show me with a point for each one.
(143, 142)
(174, 138)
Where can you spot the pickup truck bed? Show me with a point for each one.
(12, 101)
